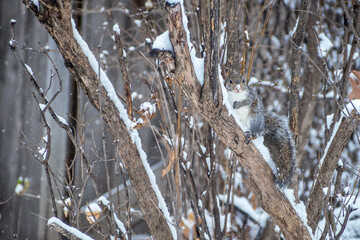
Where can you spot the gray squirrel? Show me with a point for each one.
(278, 137)
(247, 105)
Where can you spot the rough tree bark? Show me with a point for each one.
(233, 39)
(295, 66)
(212, 54)
(211, 93)
(232, 31)
(272, 200)
(55, 16)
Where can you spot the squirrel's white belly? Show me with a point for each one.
(243, 112)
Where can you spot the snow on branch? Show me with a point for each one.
(111, 93)
(120, 226)
(69, 232)
(162, 42)
(198, 63)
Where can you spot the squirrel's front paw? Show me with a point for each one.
(248, 137)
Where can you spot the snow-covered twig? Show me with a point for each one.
(69, 232)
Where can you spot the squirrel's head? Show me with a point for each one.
(236, 83)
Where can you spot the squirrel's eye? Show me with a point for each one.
(230, 81)
(244, 80)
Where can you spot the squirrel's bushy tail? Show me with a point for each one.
(279, 139)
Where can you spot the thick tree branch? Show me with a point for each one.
(295, 66)
(272, 200)
(232, 36)
(56, 18)
(328, 165)
(211, 82)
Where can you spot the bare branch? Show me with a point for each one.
(295, 66)
(349, 210)
(124, 71)
(328, 166)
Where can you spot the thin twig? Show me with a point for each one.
(124, 71)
